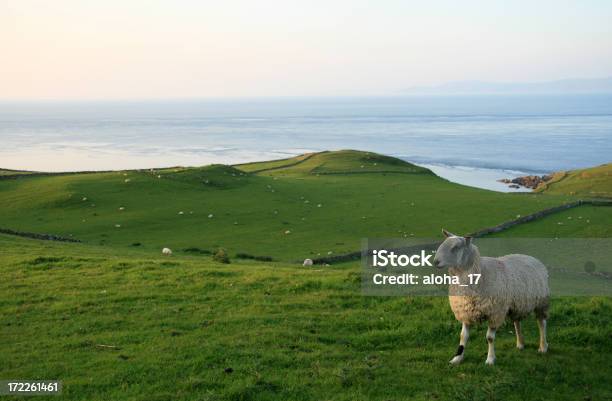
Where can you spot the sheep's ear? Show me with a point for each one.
(468, 241)
(447, 234)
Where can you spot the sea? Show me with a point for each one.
(473, 140)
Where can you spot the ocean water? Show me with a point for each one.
(468, 139)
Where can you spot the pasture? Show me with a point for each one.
(114, 319)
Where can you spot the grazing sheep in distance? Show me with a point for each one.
(167, 252)
(307, 262)
(509, 286)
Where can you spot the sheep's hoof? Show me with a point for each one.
(456, 360)
(490, 361)
(520, 346)
(543, 349)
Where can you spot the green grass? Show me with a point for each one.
(595, 182)
(328, 203)
(179, 324)
(273, 164)
(338, 162)
(185, 327)
(4, 172)
(581, 222)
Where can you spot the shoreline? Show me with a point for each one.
(484, 178)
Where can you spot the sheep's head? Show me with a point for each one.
(455, 252)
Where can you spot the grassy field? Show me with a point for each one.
(323, 205)
(115, 320)
(581, 222)
(188, 328)
(595, 182)
(4, 172)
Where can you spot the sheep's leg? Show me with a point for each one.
(520, 342)
(543, 344)
(465, 335)
(490, 340)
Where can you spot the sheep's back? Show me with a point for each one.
(526, 283)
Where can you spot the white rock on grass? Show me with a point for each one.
(307, 262)
(287, 232)
(210, 216)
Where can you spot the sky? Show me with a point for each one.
(131, 49)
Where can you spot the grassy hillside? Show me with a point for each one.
(325, 204)
(273, 164)
(115, 320)
(338, 162)
(4, 172)
(580, 222)
(595, 182)
(126, 324)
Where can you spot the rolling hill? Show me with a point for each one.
(313, 205)
(594, 182)
(114, 319)
(6, 173)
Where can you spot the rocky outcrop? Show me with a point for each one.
(528, 181)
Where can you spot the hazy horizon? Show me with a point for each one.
(137, 50)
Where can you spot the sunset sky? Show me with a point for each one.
(78, 49)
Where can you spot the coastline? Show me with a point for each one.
(478, 177)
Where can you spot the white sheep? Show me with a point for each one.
(167, 252)
(307, 262)
(509, 286)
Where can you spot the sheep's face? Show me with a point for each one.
(455, 252)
